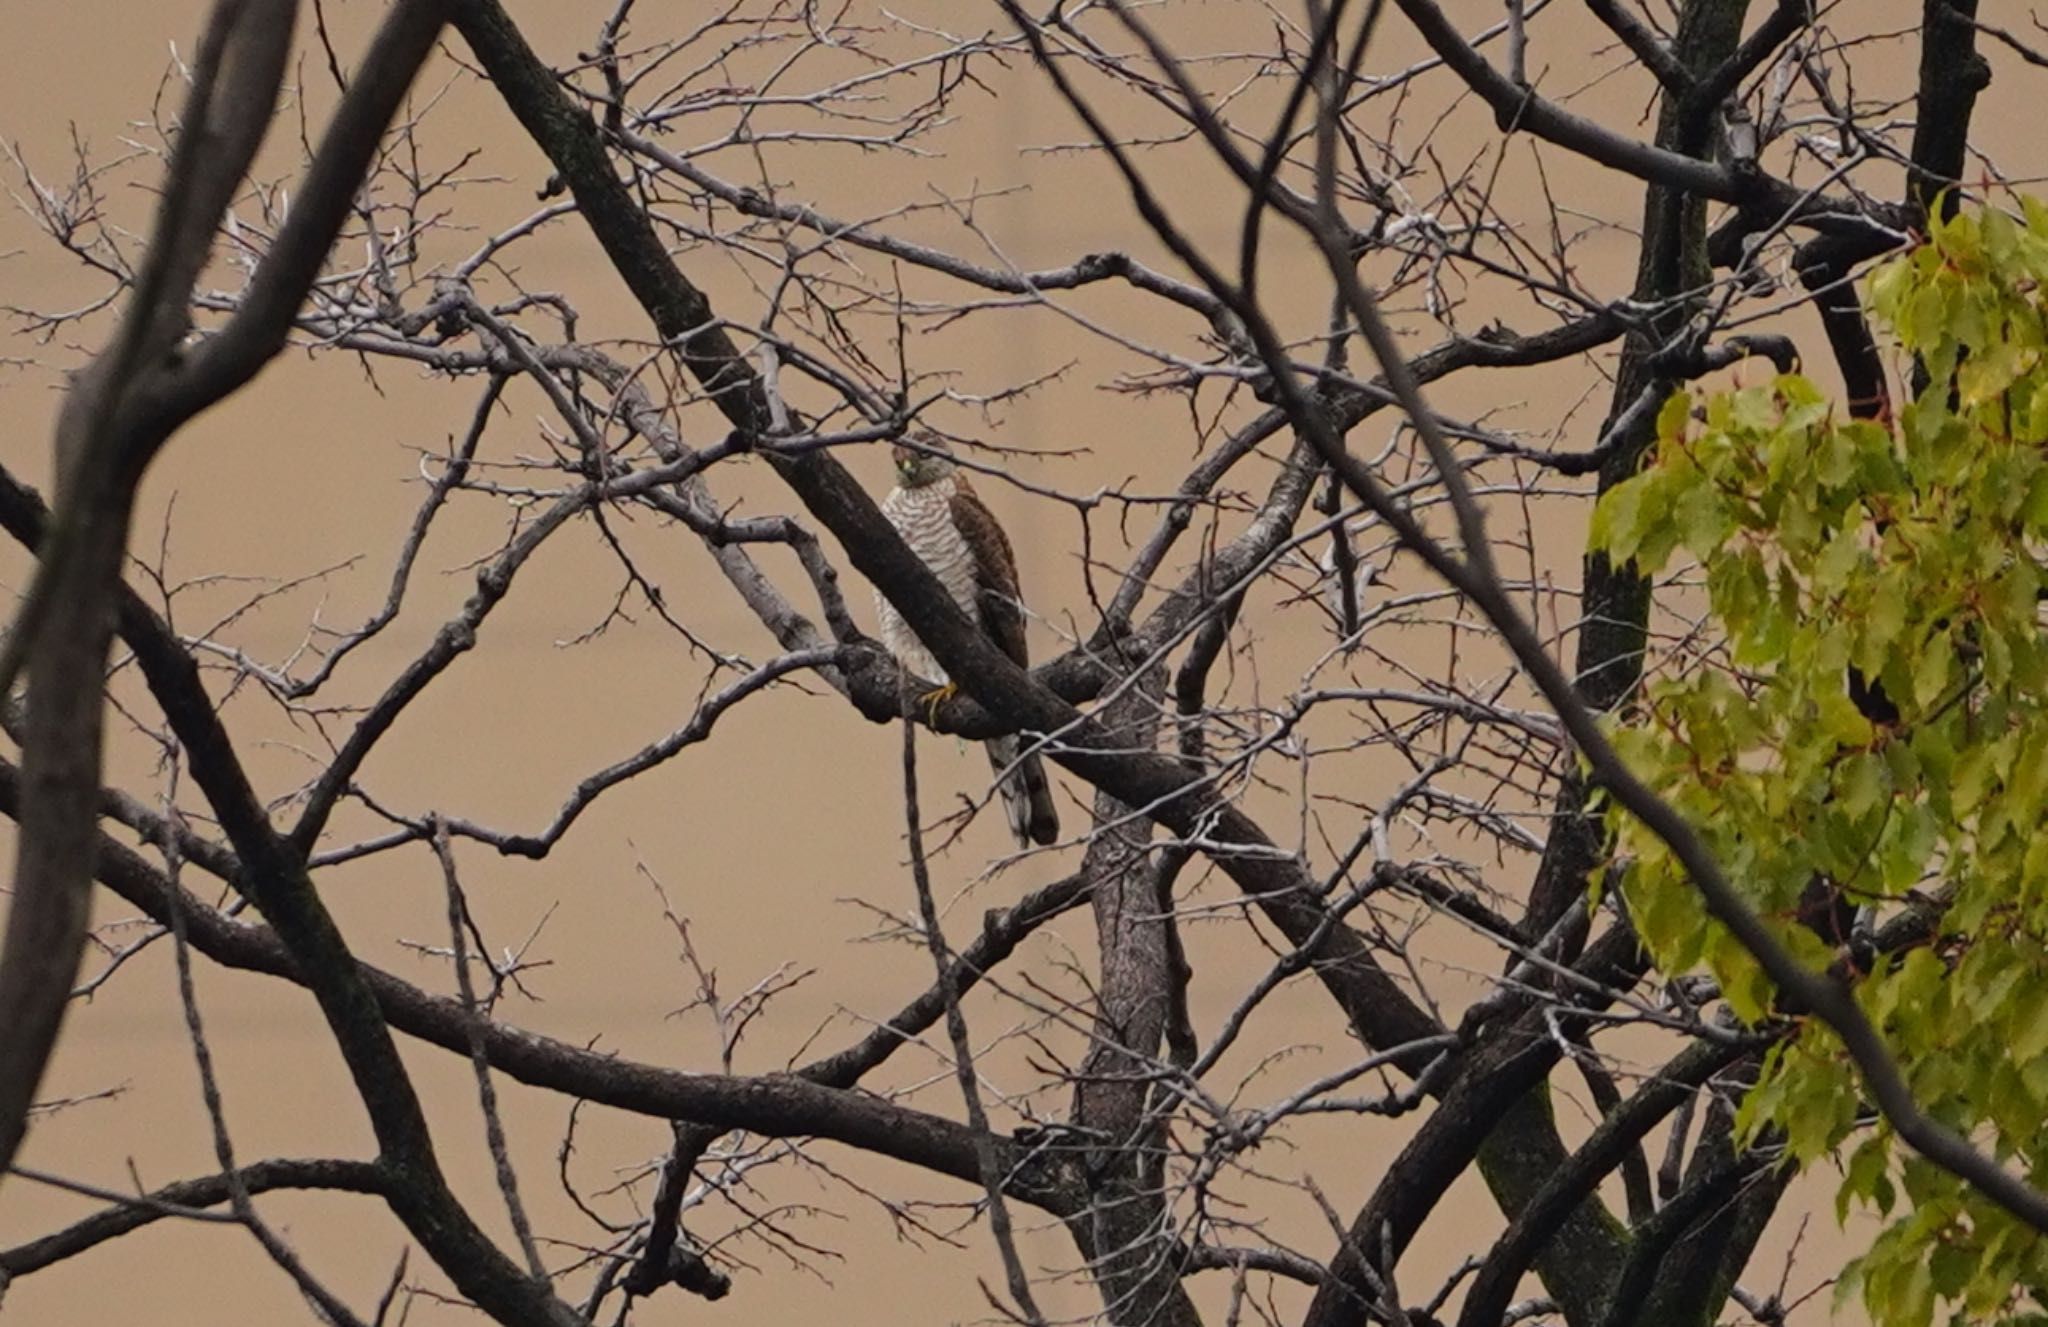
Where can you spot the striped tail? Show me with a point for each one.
(1027, 793)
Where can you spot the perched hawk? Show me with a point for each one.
(936, 511)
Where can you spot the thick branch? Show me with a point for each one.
(1125, 1231)
(1644, 44)
(1655, 1238)
(1516, 1060)
(103, 442)
(1537, 1223)
(1516, 107)
(1952, 73)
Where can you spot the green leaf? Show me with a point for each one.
(1930, 674)
(2030, 1030)
(1865, 779)
(1703, 520)
(1910, 549)
(1881, 626)
(1673, 416)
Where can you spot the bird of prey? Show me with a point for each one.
(936, 511)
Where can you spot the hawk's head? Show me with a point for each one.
(923, 459)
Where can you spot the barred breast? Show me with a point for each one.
(924, 517)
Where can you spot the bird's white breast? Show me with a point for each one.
(924, 517)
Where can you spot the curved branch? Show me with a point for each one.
(590, 788)
(207, 1191)
(1001, 932)
(457, 637)
(1088, 270)
(775, 1105)
(1784, 21)
(1656, 1237)
(1644, 44)
(1486, 1300)
(106, 434)
(1514, 1062)
(325, 198)
(1516, 107)
(1825, 264)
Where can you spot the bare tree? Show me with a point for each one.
(1310, 695)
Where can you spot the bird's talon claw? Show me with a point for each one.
(935, 698)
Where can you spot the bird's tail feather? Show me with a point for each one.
(1026, 791)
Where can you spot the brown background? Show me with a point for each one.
(761, 837)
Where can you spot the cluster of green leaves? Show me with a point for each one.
(1908, 553)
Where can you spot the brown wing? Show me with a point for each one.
(995, 572)
(1027, 793)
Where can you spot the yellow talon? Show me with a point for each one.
(931, 700)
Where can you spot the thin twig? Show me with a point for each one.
(486, 1091)
(992, 1177)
